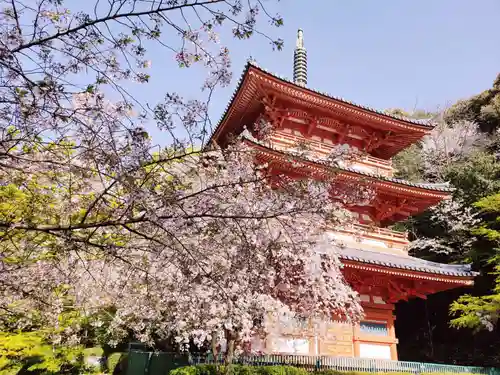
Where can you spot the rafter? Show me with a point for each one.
(386, 208)
(390, 288)
(273, 113)
(344, 132)
(313, 122)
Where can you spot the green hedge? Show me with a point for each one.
(239, 370)
(275, 370)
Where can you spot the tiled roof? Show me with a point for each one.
(444, 187)
(252, 63)
(405, 262)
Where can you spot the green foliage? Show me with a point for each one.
(475, 312)
(475, 174)
(489, 204)
(479, 312)
(408, 164)
(445, 234)
(418, 114)
(475, 177)
(271, 370)
(115, 360)
(483, 109)
(238, 370)
(277, 370)
(336, 372)
(29, 351)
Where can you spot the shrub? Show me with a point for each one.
(277, 370)
(196, 370)
(30, 352)
(117, 363)
(239, 370)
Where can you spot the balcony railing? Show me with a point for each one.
(157, 363)
(370, 163)
(385, 235)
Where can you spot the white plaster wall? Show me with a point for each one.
(349, 238)
(290, 345)
(374, 351)
(365, 297)
(373, 243)
(379, 300)
(257, 344)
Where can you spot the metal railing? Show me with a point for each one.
(159, 363)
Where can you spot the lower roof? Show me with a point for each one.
(437, 187)
(405, 262)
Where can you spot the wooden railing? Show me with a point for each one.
(378, 161)
(376, 165)
(375, 232)
(158, 363)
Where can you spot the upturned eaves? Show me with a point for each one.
(252, 64)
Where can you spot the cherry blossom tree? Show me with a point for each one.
(447, 144)
(101, 228)
(206, 248)
(445, 227)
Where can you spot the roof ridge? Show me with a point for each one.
(464, 266)
(404, 262)
(421, 122)
(251, 62)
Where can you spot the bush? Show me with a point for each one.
(117, 363)
(195, 370)
(276, 370)
(239, 370)
(26, 352)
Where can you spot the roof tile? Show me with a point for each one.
(252, 63)
(442, 187)
(405, 262)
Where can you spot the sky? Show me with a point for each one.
(423, 54)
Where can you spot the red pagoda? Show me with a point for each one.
(375, 259)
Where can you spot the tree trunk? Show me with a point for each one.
(229, 351)
(215, 350)
(229, 355)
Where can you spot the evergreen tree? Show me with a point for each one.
(483, 311)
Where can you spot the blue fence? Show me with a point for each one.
(158, 363)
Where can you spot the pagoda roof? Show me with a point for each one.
(405, 262)
(421, 122)
(440, 187)
(418, 127)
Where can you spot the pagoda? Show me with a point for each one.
(375, 259)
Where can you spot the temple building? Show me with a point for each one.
(375, 259)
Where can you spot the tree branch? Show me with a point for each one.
(110, 18)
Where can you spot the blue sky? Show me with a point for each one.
(385, 53)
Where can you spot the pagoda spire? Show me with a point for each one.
(300, 60)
